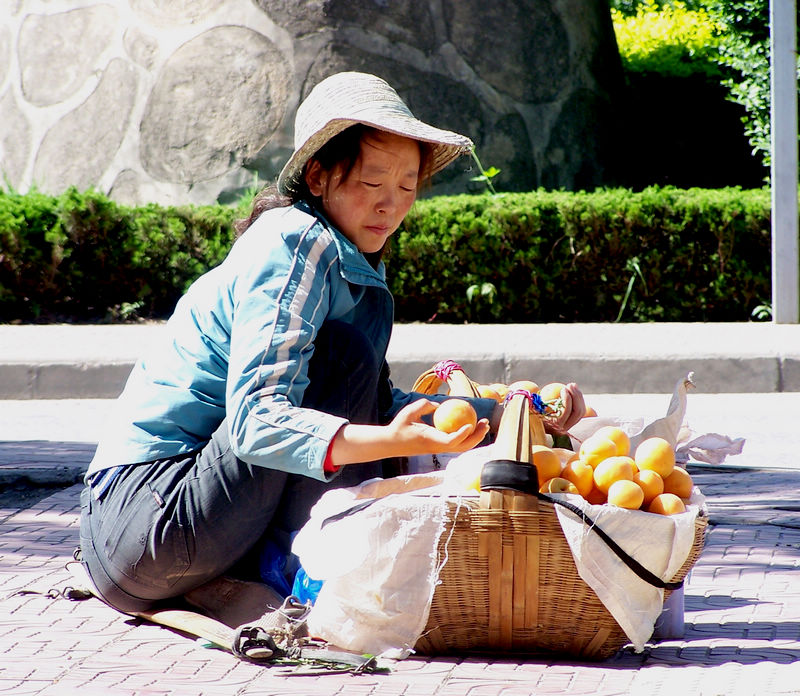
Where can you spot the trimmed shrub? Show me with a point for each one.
(80, 256)
(662, 254)
(556, 256)
(27, 263)
(174, 246)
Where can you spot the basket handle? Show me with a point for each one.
(446, 371)
(507, 474)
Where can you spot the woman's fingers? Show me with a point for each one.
(418, 408)
(466, 438)
(574, 405)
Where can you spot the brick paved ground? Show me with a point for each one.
(742, 622)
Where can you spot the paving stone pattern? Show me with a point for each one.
(742, 622)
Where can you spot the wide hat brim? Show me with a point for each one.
(347, 99)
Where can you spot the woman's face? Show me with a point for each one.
(369, 203)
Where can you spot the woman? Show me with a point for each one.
(271, 385)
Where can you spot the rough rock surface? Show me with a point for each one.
(81, 145)
(15, 139)
(58, 53)
(234, 79)
(176, 101)
(5, 52)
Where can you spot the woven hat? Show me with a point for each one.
(348, 98)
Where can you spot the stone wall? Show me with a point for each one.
(176, 101)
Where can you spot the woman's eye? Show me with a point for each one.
(371, 184)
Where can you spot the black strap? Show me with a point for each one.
(628, 560)
(350, 511)
(507, 474)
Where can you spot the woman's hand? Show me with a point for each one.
(405, 436)
(409, 431)
(572, 410)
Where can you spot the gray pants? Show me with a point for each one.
(165, 527)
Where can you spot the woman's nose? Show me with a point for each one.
(387, 202)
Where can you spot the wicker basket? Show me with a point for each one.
(510, 582)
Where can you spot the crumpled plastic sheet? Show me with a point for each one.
(711, 448)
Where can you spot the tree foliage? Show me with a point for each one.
(741, 49)
(672, 40)
(745, 51)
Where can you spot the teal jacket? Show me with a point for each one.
(238, 347)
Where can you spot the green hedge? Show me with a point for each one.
(80, 256)
(701, 255)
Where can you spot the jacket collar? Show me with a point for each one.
(354, 266)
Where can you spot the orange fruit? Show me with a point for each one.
(500, 388)
(625, 494)
(452, 414)
(594, 450)
(547, 462)
(679, 482)
(666, 504)
(612, 469)
(486, 391)
(618, 435)
(565, 455)
(552, 391)
(650, 483)
(525, 384)
(581, 474)
(655, 454)
(558, 485)
(595, 497)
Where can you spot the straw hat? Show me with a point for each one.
(347, 98)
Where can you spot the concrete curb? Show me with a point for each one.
(43, 463)
(83, 361)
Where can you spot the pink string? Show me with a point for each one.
(444, 369)
(515, 392)
(534, 401)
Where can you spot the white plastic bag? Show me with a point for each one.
(668, 427)
(379, 564)
(660, 543)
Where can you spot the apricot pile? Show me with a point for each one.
(605, 471)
